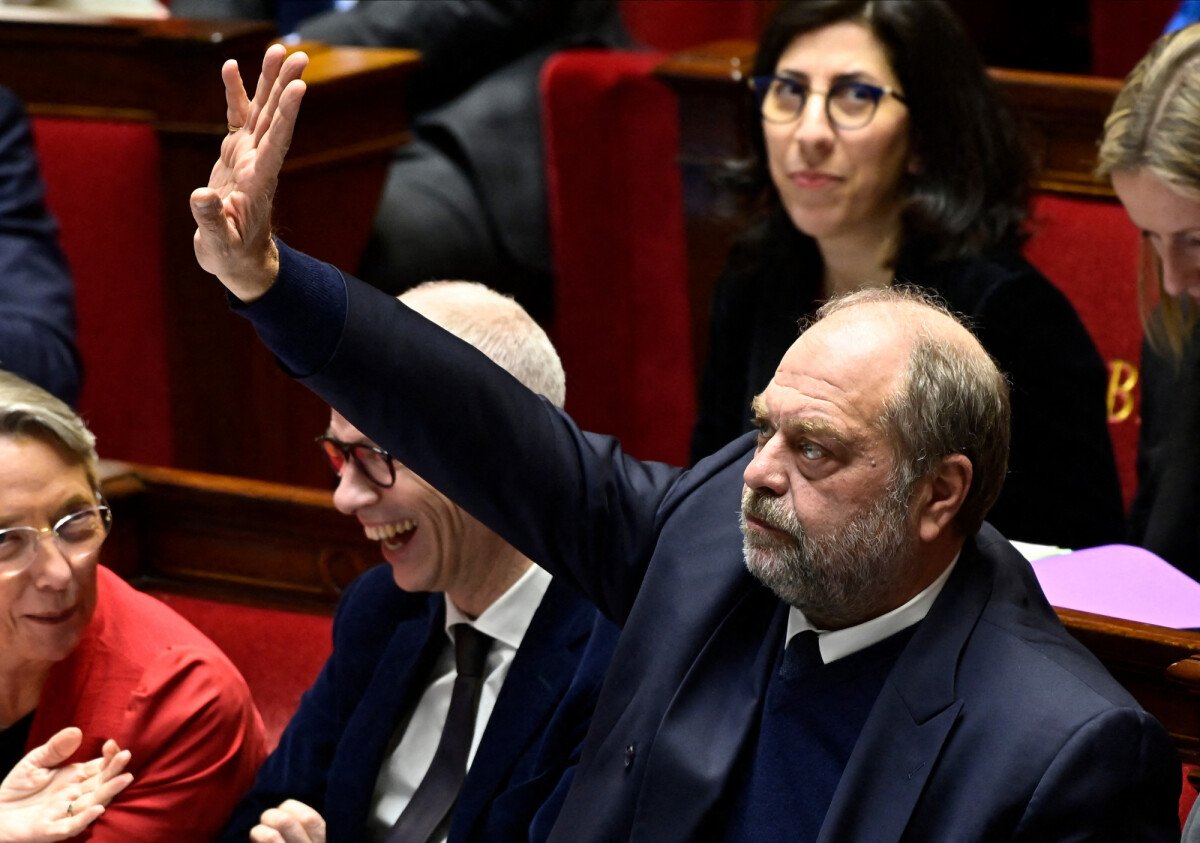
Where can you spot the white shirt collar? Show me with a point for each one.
(509, 616)
(839, 643)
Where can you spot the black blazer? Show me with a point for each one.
(1165, 516)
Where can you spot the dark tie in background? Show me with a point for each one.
(435, 795)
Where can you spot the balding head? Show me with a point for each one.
(949, 397)
(497, 326)
(883, 440)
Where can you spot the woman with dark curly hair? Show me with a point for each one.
(887, 156)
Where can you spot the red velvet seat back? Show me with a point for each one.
(102, 184)
(1122, 32)
(678, 24)
(278, 652)
(1089, 249)
(620, 260)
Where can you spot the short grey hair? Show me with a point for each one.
(952, 399)
(29, 410)
(497, 326)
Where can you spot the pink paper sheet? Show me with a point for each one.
(1123, 582)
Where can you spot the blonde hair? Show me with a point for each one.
(29, 410)
(1155, 125)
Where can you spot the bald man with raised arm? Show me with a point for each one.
(859, 657)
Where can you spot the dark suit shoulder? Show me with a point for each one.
(1028, 652)
(373, 606)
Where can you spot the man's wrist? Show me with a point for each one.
(254, 284)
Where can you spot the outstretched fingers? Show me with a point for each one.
(290, 71)
(237, 104)
(272, 61)
(275, 140)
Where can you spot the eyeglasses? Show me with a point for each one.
(77, 536)
(375, 463)
(848, 104)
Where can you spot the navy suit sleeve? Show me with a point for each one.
(37, 308)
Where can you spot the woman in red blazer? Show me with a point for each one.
(81, 648)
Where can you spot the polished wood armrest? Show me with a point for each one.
(1159, 666)
(230, 538)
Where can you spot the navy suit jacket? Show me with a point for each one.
(993, 724)
(37, 299)
(385, 644)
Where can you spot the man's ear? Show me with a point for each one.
(941, 496)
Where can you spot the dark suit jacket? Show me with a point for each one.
(385, 643)
(37, 300)
(1165, 516)
(994, 722)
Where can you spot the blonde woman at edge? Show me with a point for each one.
(1151, 151)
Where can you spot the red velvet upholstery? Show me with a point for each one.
(1089, 249)
(278, 652)
(620, 261)
(102, 183)
(1187, 797)
(677, 24)
(1121, 32)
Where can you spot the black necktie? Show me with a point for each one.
(435, 795)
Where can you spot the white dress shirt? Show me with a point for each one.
(838, 643)
(415, 742)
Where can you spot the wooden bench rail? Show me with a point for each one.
(1063, 114)
(231, 539)
(1158, 665)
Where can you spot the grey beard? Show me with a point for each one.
(839, 577)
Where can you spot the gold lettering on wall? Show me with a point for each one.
(1122, 378)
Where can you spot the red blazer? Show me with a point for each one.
(145, 677)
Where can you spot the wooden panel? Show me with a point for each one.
(233, 410)
(1063, 118)
(230, 538)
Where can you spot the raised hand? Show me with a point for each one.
(291, 822)
(233, 213)
(43, 800)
